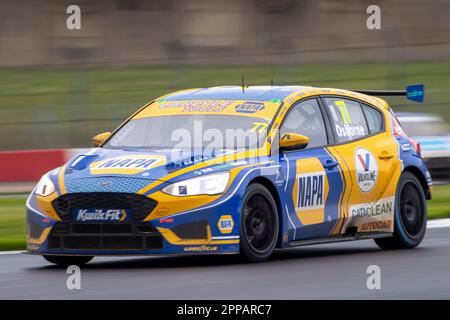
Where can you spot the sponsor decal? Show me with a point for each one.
(366, 170)
(376, 225)
(166, 220)
(311, 191)
(198, 105)
(202, 248)
(220, 167)
(127, 164)
(367, 216)
(182, 190)
(368, 211)
(99, 214)
(249, 107)
(405, 147)
(225, 224)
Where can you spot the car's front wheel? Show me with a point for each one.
(410, 215)
(68, 260)
(258, 223)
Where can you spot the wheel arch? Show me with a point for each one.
(423, 181)
(273, 191)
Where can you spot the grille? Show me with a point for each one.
(192, 230)
(139, 206)
(104, 236)
(34, 229)
(106, 184)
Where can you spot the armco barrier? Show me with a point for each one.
(30, 165)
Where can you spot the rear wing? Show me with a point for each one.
(414, 92)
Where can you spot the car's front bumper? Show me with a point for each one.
(194, 231)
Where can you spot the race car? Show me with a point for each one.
(236, 170)
(432, 132)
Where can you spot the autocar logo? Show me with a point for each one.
(366, 170)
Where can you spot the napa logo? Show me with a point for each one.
(99, 215)
(127, 164)
(311, 191)
(250, 107)
(225, 224)
(366, 170)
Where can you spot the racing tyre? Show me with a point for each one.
(410, 217)
(258, 224)
(68, 260)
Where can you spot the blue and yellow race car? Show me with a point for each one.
(227, 170)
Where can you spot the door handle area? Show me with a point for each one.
(330, 164)
(385, 155)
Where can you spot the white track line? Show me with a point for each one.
(438, 223)
(10, 252)
(432, 224)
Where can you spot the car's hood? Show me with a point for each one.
(130, 170)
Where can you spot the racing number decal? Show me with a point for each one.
(259, 125)
(344, 111)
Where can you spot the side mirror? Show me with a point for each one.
(100, 138)
(293, 141)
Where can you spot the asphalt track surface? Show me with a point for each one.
(333, 271)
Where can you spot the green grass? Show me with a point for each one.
(439, 206)
(12, 223)
(12, 217)
(65, 107)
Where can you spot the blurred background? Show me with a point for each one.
(59, 87)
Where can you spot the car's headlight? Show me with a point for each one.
(209, 184)
(45, 186)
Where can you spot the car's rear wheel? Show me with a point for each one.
(410, 215)
(68, 260)
(258, 224)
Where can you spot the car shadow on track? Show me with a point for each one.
(298, 254)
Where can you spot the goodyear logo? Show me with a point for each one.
(100, 215)
(225, 224)
(311, 190)
(126, 164)
(250, 107)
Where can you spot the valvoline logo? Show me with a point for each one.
(100, 215)
(366, 170)
(249, 107)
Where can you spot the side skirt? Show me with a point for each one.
(358, 236)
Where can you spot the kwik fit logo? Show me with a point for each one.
(100, 215)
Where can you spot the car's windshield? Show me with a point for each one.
(220, 132)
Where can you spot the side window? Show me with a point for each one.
(305, 118)
(347, 119)
(374, 119)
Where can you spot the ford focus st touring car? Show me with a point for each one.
(229, 170)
